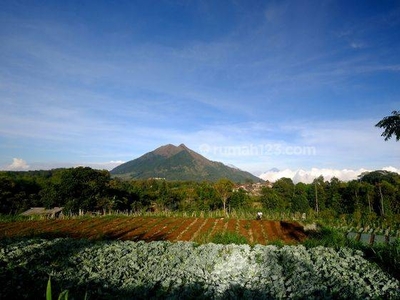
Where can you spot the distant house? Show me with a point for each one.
(42, 211)
(253, 189)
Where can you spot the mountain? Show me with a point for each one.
(179, 163)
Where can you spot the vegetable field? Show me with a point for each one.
(126, 257)
(155, 229)
(185, 270)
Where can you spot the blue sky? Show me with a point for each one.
(256, 84)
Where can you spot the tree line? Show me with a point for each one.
(373, 194)
(87, 189)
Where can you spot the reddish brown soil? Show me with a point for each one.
(231, 225)
(243, 228)
(184, 223)
(219, 226)
(258, 233)
(190, 231)
(207, 227)
(205, 230)
(155, 229)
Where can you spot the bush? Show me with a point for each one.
(327, 237)
(229, 238)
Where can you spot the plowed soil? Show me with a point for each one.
(155, 229)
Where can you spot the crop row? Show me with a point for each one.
(184, 270)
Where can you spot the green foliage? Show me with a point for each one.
(18, 191)
(378, 176)
(12, 218)
(387, 256)
(239, 200)
(49, 295)
(64, 295)
(317, 194)
(224, 189)
(271, 199)
(277, 243)
(391, 126)
(376, 195)
(160, 270)
(299, 202)
(285, 189)
(228, 238)
(327, 237)
(225, 238)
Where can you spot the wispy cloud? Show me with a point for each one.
(357, 45)
(261, 146)
(272, 76)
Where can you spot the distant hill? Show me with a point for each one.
(179, 163)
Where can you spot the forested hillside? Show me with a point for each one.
(179, 163)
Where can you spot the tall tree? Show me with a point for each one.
(285, 189)
(391, 125)
(334, 197)
(300, 200)
(271, 200)
(239, 199)
(351, 197)
(317, 194)
(367, 191)
(385, 183)
(224, 189)
(208, 198)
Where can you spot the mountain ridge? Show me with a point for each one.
(179, 163)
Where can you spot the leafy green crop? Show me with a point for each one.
(229, 238)
(159, 270)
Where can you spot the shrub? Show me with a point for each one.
(228, 238)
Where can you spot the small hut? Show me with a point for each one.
(55, 212)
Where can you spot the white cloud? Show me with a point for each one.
(307, 176)
(18, 164)
(106, 165)
(161, 94)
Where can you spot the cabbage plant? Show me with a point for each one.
(185, 270)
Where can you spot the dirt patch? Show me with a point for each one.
(154, 229)
(257, 230)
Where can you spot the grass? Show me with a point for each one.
(64, 295)
(49, 293)
(277, 243)
(387, 256)
(243, 214)
(327, 237)
(229, 238)
(221, 238)
(12, 218)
